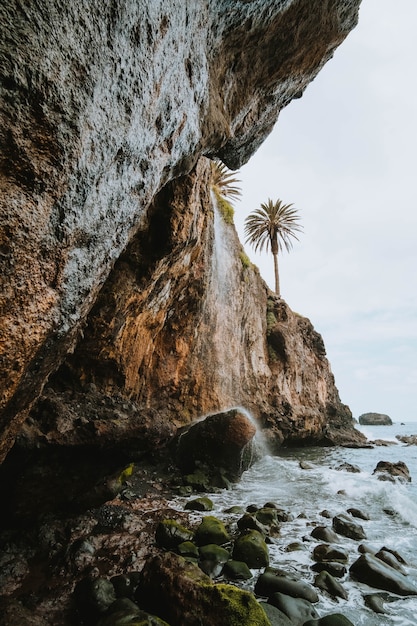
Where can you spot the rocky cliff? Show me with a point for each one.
(105, 110)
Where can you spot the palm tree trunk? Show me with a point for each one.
(277, 289)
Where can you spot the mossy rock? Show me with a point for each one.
(214, 552)
(211, 530)
(251, 548)
(236, 607)
(233, 510)
(188, 549)
(267, 516)
(198, 480)
(199, 504)
(169, 534)
(236, 570)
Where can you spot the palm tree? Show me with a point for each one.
(273, 225)
(223, 181)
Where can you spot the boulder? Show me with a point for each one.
(170, 533)
(324, 533)
(297, 610)
(375, 419)
(374, 602)
(180, 593)
(199, 504)
(236, 570)
(324, 580)
(275, 616)
(358, 513)
(338, 570)
(223, 441)
(385, 470)
(375, 573)
(348, 467)
(390, 559)
(251, 548)
(212, 559)
(268, 583)
(346, 526)
(325, 553)
(410, 440)
(211, 530)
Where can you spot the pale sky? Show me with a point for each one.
(345, 156)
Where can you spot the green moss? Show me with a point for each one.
(237, 607)
(226, 210)
(272, 355)
(271, 321)
(244, 259)
(125, 474)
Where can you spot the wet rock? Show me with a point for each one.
(297, 610)
(251, 548)
(398, 556)
(249, 522)
(211, 530)
(326, 553)
(338, 570)
(275, 616)
(170, 533)
(220, 441)
(182, 594)
(326, 513)
(375, 573)
(236, 570)
(125, 584)
(325, 581)
(374, 602)
(345, 526)
(385, 470)
(235, 509)
(199, 504)
(358, 513)
(326, 534)
(268, 583)
(212, 559)
(188, 549)
(410, 440)
(348, 467)
(390, 559)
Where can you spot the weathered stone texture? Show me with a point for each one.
(102, 105)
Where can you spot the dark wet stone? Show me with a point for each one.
(398, 556)
(269, 583)
(324, 533)
(94, 596)
(390, 559)
(297, 610)
(236, 570)
(326, 513)
(374, 602)
(199, 504)
(249, 522)
(358, 513)
(375, 573)
(234, 510)
(325, 552)
(347, 527)
(338, 570)
(251, 548)
(275, 616)
(125, 585)
(325, 581)
(348, 467)
(392, 471)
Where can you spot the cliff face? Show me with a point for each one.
(185, 326)
(103, 106)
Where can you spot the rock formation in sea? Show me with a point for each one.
(110, 286)
(375, 419)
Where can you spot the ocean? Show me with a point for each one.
(392, 508)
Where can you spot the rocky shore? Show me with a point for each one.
(139, 544)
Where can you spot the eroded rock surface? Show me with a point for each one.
(103, 106)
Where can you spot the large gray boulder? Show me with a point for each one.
(375, 573)
(375, 419)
